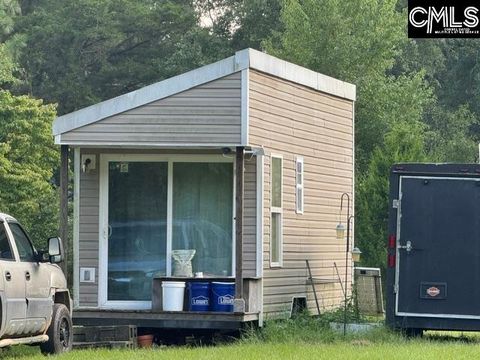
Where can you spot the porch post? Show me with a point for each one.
(64, 204)
(239, 305)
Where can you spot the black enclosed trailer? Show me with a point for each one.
(433, 265)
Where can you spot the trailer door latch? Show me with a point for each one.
(407, 246)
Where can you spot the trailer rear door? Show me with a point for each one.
(438, 247)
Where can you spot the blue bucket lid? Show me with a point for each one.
(222, 283)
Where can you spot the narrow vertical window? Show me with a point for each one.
(276, 246)
(299, 184)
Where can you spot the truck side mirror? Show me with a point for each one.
(55, 249)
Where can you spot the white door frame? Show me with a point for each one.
(103, 301)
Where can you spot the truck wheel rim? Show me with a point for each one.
(64, 333)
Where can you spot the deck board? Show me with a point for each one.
(163, 319)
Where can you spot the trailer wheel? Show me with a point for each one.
(413, 332)
(60, 334)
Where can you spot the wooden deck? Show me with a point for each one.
(164, 319)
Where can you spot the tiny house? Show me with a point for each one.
(243, 160)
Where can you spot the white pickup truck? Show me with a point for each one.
(35, 304)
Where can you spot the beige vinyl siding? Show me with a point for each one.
(89, 218)
(206, 114)
(292, 120)
(88, 231)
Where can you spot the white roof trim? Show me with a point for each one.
(300, 75)
(244, 59)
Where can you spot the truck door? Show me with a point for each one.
(438, 247)
(37, 282)
(12, 288)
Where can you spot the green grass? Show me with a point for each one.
(303, 338)
(360, 350)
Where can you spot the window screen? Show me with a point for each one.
(299, 178)
(276, 182)
(276, 249)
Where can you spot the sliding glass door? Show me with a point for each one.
(202, 215)
(137, 228)
(153, 204)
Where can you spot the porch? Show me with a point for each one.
(192, 320)
(164, 320)
(148, 203)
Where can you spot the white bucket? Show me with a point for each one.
(172, 295)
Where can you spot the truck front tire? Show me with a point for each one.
(60, 334)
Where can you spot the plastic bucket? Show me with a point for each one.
(172, 295)
(199, 296)
(223, 294)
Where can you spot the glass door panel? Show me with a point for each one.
(137, 228)
(202, 214)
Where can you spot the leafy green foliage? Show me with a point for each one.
(27, 160)
(28, 157)
(8, 10)
(460, 78)
(416, 99)
(80, 52)
(348, 40)
(360, 42)
(403, 143)
(384, 102)
(6, 67)
(449, 136)
(357, 42)
(243, 23)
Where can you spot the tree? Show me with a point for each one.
(243, 23)
(6, 67)
(360, 42)
(357, 42)
(452, 68)
(79, 52)
(448, 138)
(347, 40)
(28, 158)
(405, 142)
(8, 10)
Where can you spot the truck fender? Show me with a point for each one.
(57, 278)
(61, 296)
